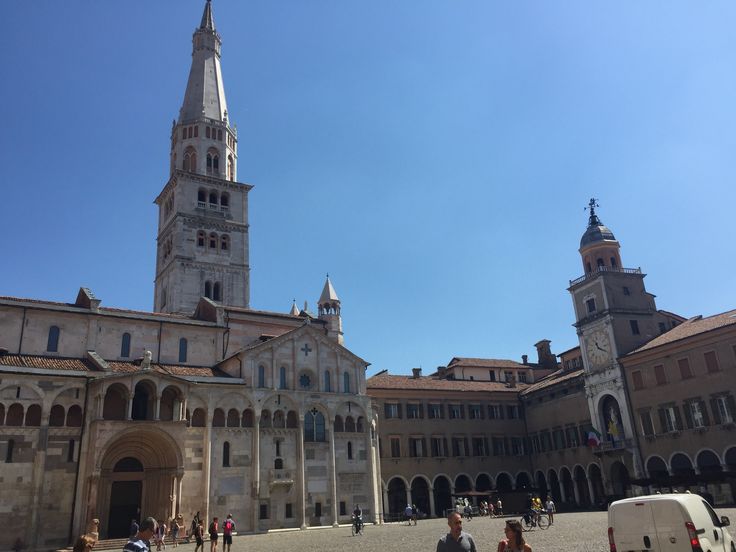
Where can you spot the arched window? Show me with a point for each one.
(9, 451)
(224, 201)
(33, 415)
(588, 267)
(233, 418)
(282, 378)
(2, 414)
(314, 426)
(349, 424)
(216, 164)
(213, 199)
(207, 132)
(53, 344)
(74, 416)
(230, 167)
(196, 131)
(208, 289)
(15, 415)
(360, 428)
(201, 197)
(599, 262)
(217, 291)
(201, 236)
(219, 134)
(182, 350)
(278, 464)
(261, 376)
(218, 419)
(213, 241)
(613, 262)
(225, 454)
(125, 346)
(225, 243)
(247, 418)
(327, 381)
(346, 382)
(338, 426)
(210, 163)
(56, 416)
(70, 451)
(198, 418)
(350, 450)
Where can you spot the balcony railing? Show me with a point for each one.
(600, 269)
(618, 444)
(281, 477)
(213, 207)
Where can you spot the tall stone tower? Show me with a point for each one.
(203, 211)
(614, 315)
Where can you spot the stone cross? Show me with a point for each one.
(307, 349)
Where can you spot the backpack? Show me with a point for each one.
(228, 527)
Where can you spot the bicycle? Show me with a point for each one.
(357, 526)
(530, 520)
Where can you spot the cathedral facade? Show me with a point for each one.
(203, 405)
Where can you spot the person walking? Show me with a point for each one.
(140, 542)
(499, 507)
(214, 526)
(175, 530)
(514, 541)
(456, 540)
(198, 536)
(160, 535)
(551, 509)
(227, 532)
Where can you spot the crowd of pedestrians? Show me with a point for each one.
(157, 531)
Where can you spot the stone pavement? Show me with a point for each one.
(582, 532)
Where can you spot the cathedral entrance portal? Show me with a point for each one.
(140, 475)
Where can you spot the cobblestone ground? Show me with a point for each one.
(582, 532)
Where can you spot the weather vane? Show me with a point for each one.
(592, 204)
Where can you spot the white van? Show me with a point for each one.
(667, 523)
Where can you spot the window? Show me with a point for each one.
(437, 447)
(512, 411)
(645, 418)
(572, 437)
(346, 382)
(495, 412)
(508, 375)
(626, 290)
(70, 451)
(208, 289)
(475, 412)
(125, 346)
(200, 238)
(182, 350)
(634, 327)
(314, 426)
(9, 451)
(558, 439)
(669, 418)
(498, 446)
(282, 378)
(350, 450)
(456, 411)
(413, 411)
(590, 303)
(479, 448)
(263, 511)
(725, 410)
(416, 447)
(696, 414)
(226, 455)
(535, 444)
(261, 376)
(662, 327)
(522, 377)
(289, 511)
(395, 447)
(53, 343)
(684, 365)
(391, 410)
(659, 375)
(434, 411)
(492, 375)
(327, 381)
(213, 241)
(637, 380)
(711, 362)
(516, 446)
(207, 132)
(458, 446)
(318, 509)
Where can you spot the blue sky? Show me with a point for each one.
(433, 156)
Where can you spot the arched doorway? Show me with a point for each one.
(542, 485)
(125, 496)
(620, 481)
(420, 494)
(442, 495)
(657, 470)
(522, 482)
(596, 481)
(462, 484)
(140, 473)
(483, 483)
(682, 470)
(503, 483)
(730, 458)
(581, 482)
(567, 485)
(554, 486)
(396, 495)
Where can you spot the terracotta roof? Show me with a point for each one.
(487, 363)
(689, 328)
(401, 383)
(173, 369)
(48, 363)
(554, 378)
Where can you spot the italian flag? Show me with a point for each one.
(594, 438)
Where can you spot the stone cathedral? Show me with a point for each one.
(203, 404)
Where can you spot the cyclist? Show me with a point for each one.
(358, 518)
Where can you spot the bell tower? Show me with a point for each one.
(328, 308)
(203, 244)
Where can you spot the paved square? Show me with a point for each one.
(582, 532)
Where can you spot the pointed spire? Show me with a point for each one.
(208, 22)
(329, 295)
(294, 309)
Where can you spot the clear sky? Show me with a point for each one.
(434, 157)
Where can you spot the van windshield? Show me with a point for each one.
(712, 514)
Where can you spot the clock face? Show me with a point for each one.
(598, 348)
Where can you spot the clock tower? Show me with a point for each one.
(614, 314)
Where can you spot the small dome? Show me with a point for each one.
(596, 233)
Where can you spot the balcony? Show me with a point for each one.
(600, 269)
(280, 477)
(617, 445)
(213, 208)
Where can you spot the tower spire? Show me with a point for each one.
(208, 22)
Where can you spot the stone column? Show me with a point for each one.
(563, 496)
(256, 467)
(130, 406)
(591, 491)
(157, 409)
(300, 473)
(431, 502)
(206, 469)
(576, 492)
(333, 470)
(37, 480)
(385, 501)
(371, 469)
